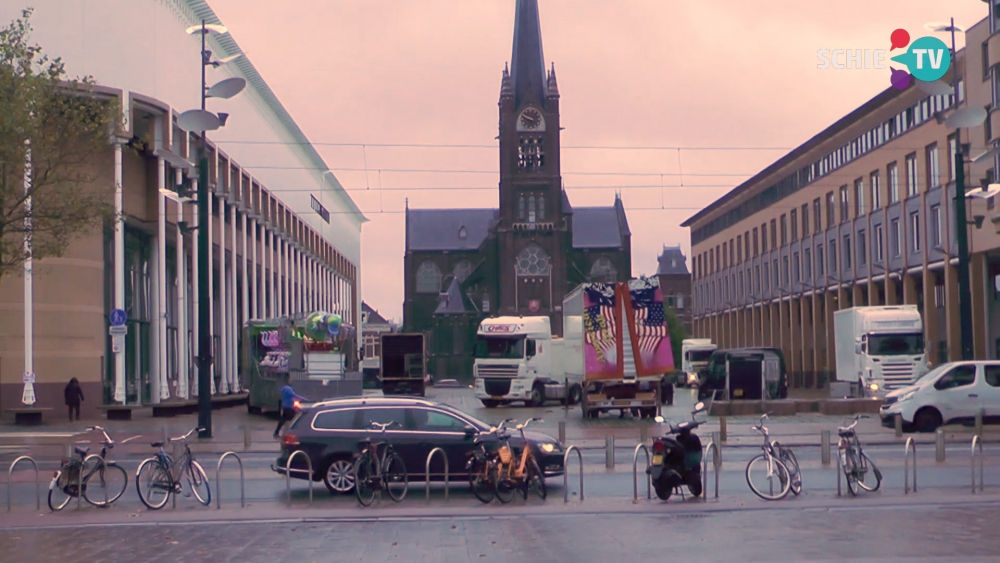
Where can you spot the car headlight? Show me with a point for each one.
(547, 448)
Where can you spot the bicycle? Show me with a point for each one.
(854, 460)
(482, 465)
(163, 475)
(520, 475)
(773, 468)
(374, 473)
(67, 479)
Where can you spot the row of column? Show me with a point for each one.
(802, 325)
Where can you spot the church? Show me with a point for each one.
(464, 265)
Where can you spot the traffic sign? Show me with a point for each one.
(117, 330)
(118, 317)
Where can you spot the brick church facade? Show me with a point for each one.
(464, 265)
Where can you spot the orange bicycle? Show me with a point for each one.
(517, 470)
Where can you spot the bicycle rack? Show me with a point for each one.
(579, 456)
(288, 475)
(79, 482)
(976, 442)
(38, 487)
(716, 465)
(218, 481)
(840, 469)
(909, 448)
(427, 473)
(635, 474)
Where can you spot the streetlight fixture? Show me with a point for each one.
(202, 120)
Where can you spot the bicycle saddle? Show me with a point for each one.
(81, 451)
(845, 432)
(157, 444)
(365, 442)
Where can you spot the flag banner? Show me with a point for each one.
(601, 324)
(648, 328)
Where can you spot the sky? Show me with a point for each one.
(671, 103)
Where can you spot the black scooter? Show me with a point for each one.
(677, 457)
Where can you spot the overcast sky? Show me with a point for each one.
(642, 74)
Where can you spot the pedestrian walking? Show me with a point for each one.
(74, 396)
(288, 397)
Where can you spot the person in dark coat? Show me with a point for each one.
(74, 396)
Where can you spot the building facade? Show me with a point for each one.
(373, 326)
(463, 265)
(861, 214)
(284, 239)
(675, 283)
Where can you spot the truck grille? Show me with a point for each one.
(496, 371)
(897, 375)
(497, 386)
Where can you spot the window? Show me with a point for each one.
(767, 276)
(763, 238)
(896, 240)
(933, 166)
(844, 204)
(462, 270)
(987, 129)
(784, 268)
(343, 419)
(878, 243)
(830, 213)
(533, 261)
(777, 279)
(817, 216)
(724, 256)
(756, 275)
(794, 219)
(755, 241)
(859, 197)
(532, 212)
(915, 230)
(520, 207)
(428, 278)
(530, 154)
(774, 234)
(807, 263)
(985, 55)
(936, 229)
(952, 147)
(796, 265)
(862, 248)
(893, 173)
(832, 256)
(960, 376)
(846, 252)
(805, 220)
(427, 420)
(746, 245)
(911, 174)
(876, 190)
(732, 253)
(819, 260)
(603, 271)
(385, 416)
(784, 229)
(992, 375)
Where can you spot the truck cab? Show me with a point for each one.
(516, 359)
(879, 349)
(695, 353)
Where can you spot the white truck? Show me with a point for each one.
(694, 358)
(517, 359)
(878, 349)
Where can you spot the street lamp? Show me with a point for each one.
(203, 121)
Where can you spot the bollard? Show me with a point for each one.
(899, 425)
(718, 449)
(163, 435)
(824, 447)
(246, 437)
(939, 445)
(609, 452)
(562, 431)
(722, 430)
(979, 423)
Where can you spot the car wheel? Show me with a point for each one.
(339, 476)
(927, 419)
(490, 404)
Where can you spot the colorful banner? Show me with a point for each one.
(601, 324)
(648, 328)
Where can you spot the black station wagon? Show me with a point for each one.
(329, 432)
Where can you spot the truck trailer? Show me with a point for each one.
(402, 364)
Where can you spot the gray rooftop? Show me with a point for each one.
(672, 262)
(441, 229)
(453, 301)
(599, 227)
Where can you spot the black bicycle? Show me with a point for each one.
(103, 483)
(161, 476)
(375, 472)
(856, 463)
(483, 463)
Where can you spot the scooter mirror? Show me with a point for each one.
(659, 419)
(699, 407)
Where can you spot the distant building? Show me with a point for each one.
(675, 282)
(373, 325)
(464, 265)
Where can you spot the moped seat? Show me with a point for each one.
(81, 451)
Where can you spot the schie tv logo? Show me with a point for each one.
(927, 59)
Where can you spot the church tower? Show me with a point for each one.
(533, 225)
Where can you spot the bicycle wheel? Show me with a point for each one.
(503, 485)
(534, 480)
(63, 487)
(761, 478)
(105, 484)
(153, 483)
(394, 477)
(481, 480)
(365, 479)
(787, 457)
(867, 467)
(850, 473)
(198, 481)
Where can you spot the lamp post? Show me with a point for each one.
(203, 121)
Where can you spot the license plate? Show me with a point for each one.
(738, 393)
(657, 459)
(497, 397)
(622, 403)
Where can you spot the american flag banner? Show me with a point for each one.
(649, 327)
(600, 322)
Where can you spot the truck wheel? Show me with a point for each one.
(575, 395)
(537, 397)
(490, 404)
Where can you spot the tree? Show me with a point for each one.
(677, 334)
(51, 130)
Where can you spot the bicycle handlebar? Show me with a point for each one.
(107, 439)
(184, 437)
(382, 427)
(527, 422)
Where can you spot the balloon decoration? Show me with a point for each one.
(333, 323)
(316, 326)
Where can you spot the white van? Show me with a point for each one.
(950, 393)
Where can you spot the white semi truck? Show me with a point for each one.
(694, 358)
(517, 359)
(879, 349)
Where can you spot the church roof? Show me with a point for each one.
(449, 229)
(600, 227)
(527, 62)
(374, 318)
(453, 301)
(672, 262)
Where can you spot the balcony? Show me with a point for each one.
(533, 226)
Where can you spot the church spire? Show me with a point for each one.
(527, 61)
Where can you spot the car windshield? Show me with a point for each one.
(492, 347)
(895, 344)
(932, 374)
(699, 355)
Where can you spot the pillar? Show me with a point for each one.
(952, 313)
(980, 289)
